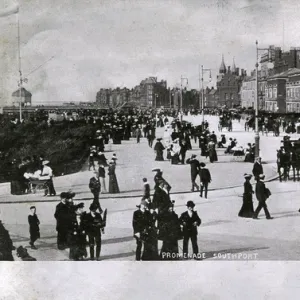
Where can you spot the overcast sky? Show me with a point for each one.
(118, 43)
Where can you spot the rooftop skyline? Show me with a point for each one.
(107, 44)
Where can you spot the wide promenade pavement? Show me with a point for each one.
(221, 230)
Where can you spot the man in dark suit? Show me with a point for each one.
(205, 179)
(262, 195)
(257, 168)
(61, 216)
(183, 149)
(195, 168)
(94, 225)
(139, 224)
(189, 221)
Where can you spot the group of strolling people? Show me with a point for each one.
(156, 220)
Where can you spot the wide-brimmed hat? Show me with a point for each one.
(247, 175)
(202, 164)
(190, 203)
(159, 139)
(63, 195)
(156, 170)
(70, 195)
(45, 162)
(80, 205)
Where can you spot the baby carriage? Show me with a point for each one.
(38, 184)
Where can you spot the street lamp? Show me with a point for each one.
(257, 101)
(155, 97)
(202, 72)
(187, 82)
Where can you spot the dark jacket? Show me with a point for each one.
(195, 166)
(62, 216)
(92, 224)
(140, 221)
(188, 223)
(204, 175)
(33, 224)
(261, 191)
(146, 191)
(161, 200)
(257, 169)
(101, 172)
(94, 184)
(169, 226)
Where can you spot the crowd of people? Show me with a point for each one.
(155, 219)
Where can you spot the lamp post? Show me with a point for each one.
(202, 85)
(187, 82)
(155, 97)
(257, 138)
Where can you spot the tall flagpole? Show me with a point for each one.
(20, 66)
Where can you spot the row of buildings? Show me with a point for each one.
(277, 88)
(153, 93)
(278, 84)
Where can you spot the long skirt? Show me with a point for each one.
(16, 187)
(113, 187)
(246, 210)
(169, 250)
(78, 247)
(150, 248)
(159, 156)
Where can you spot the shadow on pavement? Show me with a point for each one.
(118, 255)
(117, 240)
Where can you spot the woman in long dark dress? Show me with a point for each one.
(151, 243)
(159, 149)
(113, 182)
(169, 233)
(247, 207)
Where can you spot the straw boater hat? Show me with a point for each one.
(262, 176)
(45, 162)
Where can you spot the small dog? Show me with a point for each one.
(23, 254)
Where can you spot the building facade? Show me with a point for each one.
(21, 95)
(248, 90)
(229, 82)
(276, 93)
(293, 91)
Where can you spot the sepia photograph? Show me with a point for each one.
(149, 131)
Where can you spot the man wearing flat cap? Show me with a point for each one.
(262, 194)
(189, 221)
(195, 168)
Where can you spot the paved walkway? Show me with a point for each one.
(135, 161)
(221, 230)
